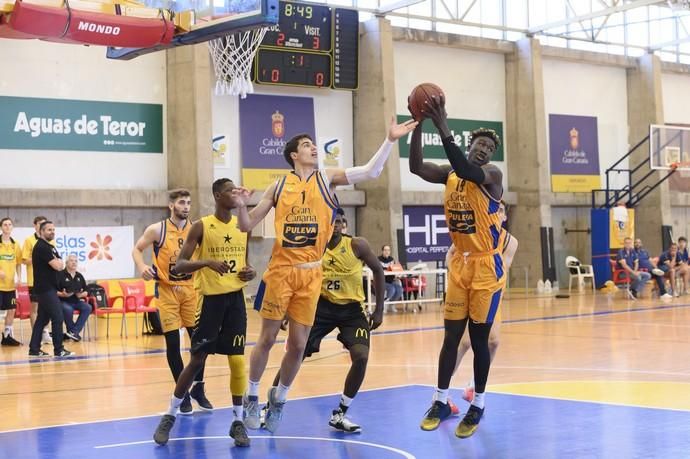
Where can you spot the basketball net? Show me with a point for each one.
(232, 61)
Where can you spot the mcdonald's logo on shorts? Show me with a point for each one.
(362, 332)
(238, 340)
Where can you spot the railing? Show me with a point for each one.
(371, 302)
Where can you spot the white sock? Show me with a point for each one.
(345, 400)
(8, 331)
(174, 405)
(478, 400)
(441, 395)
(253, 389)
(281, 392)
(237, 413)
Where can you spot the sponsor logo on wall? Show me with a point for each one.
(574, 153)
(459, 128)
(426, 233)
(28, 123)
(103, 252)
(266, 125)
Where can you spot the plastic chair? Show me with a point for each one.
(23, 310)
(578, 271)
(107, 311)
(136, 301)
(621, 277)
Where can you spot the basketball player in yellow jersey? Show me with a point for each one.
(476, 271)
(176, 297)
(340, 306)
(304, 214)
(222, 271)
(10, 269)
(510, 245)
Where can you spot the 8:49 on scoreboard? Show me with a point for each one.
(312, 45)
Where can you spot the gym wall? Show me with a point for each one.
(473, 82)
(46, 70)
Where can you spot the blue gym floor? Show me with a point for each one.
(514, 427)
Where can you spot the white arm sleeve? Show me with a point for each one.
(373, 168)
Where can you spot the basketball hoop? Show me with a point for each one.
(232, 61)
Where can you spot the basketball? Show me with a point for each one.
(419, 96)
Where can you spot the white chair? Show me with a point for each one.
(580, 272)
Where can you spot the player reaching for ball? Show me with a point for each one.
(476, 271)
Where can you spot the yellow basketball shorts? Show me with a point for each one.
(290, 290)
(177, 306)
(475, 287)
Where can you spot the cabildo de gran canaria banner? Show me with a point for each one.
(461, 130)
(266, 125)
(28, 123)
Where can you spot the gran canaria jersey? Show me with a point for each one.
(342, 274)
(166, 251)
(221, 242)
(472, 215)
(304, 216)
(10, 257)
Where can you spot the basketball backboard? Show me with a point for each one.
(669, 147)
(198, 21)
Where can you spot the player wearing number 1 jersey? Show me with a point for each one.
(340, 306)
(222, 271)
(304, 216)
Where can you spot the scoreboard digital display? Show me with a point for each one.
(312, 45)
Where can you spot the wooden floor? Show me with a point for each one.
(588, 347)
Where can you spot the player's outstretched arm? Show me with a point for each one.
(374, 167)
(150, 236)
(363, 251)
(431, 172)
(481, 175)
(247, 220)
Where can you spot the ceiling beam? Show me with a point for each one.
(385, 9)
(594, 14)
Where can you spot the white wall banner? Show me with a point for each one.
(103, 252)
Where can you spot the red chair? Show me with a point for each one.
(136, 301)
(107, 311)
(619, 276)
(23, 310)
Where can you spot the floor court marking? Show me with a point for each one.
(404, 454)
(373, 334)
(566, 399)
(304, 397)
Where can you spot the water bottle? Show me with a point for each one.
(554, 286)
(547, 286)
(540, 286)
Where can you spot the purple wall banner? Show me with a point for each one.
(266, 124)
(574, 153)
(425, 232)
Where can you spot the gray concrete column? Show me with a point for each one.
(190, 159)
(528, 174)
(645, 107)
(374, 105)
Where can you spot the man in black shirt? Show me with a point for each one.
(71, 288)
(46, 262)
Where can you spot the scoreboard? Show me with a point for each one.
(312, 45)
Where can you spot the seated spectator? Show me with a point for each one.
(394, 289)
(684, 266)
(628, 260)
(72, 293)
(647, 264)
(669, 264)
